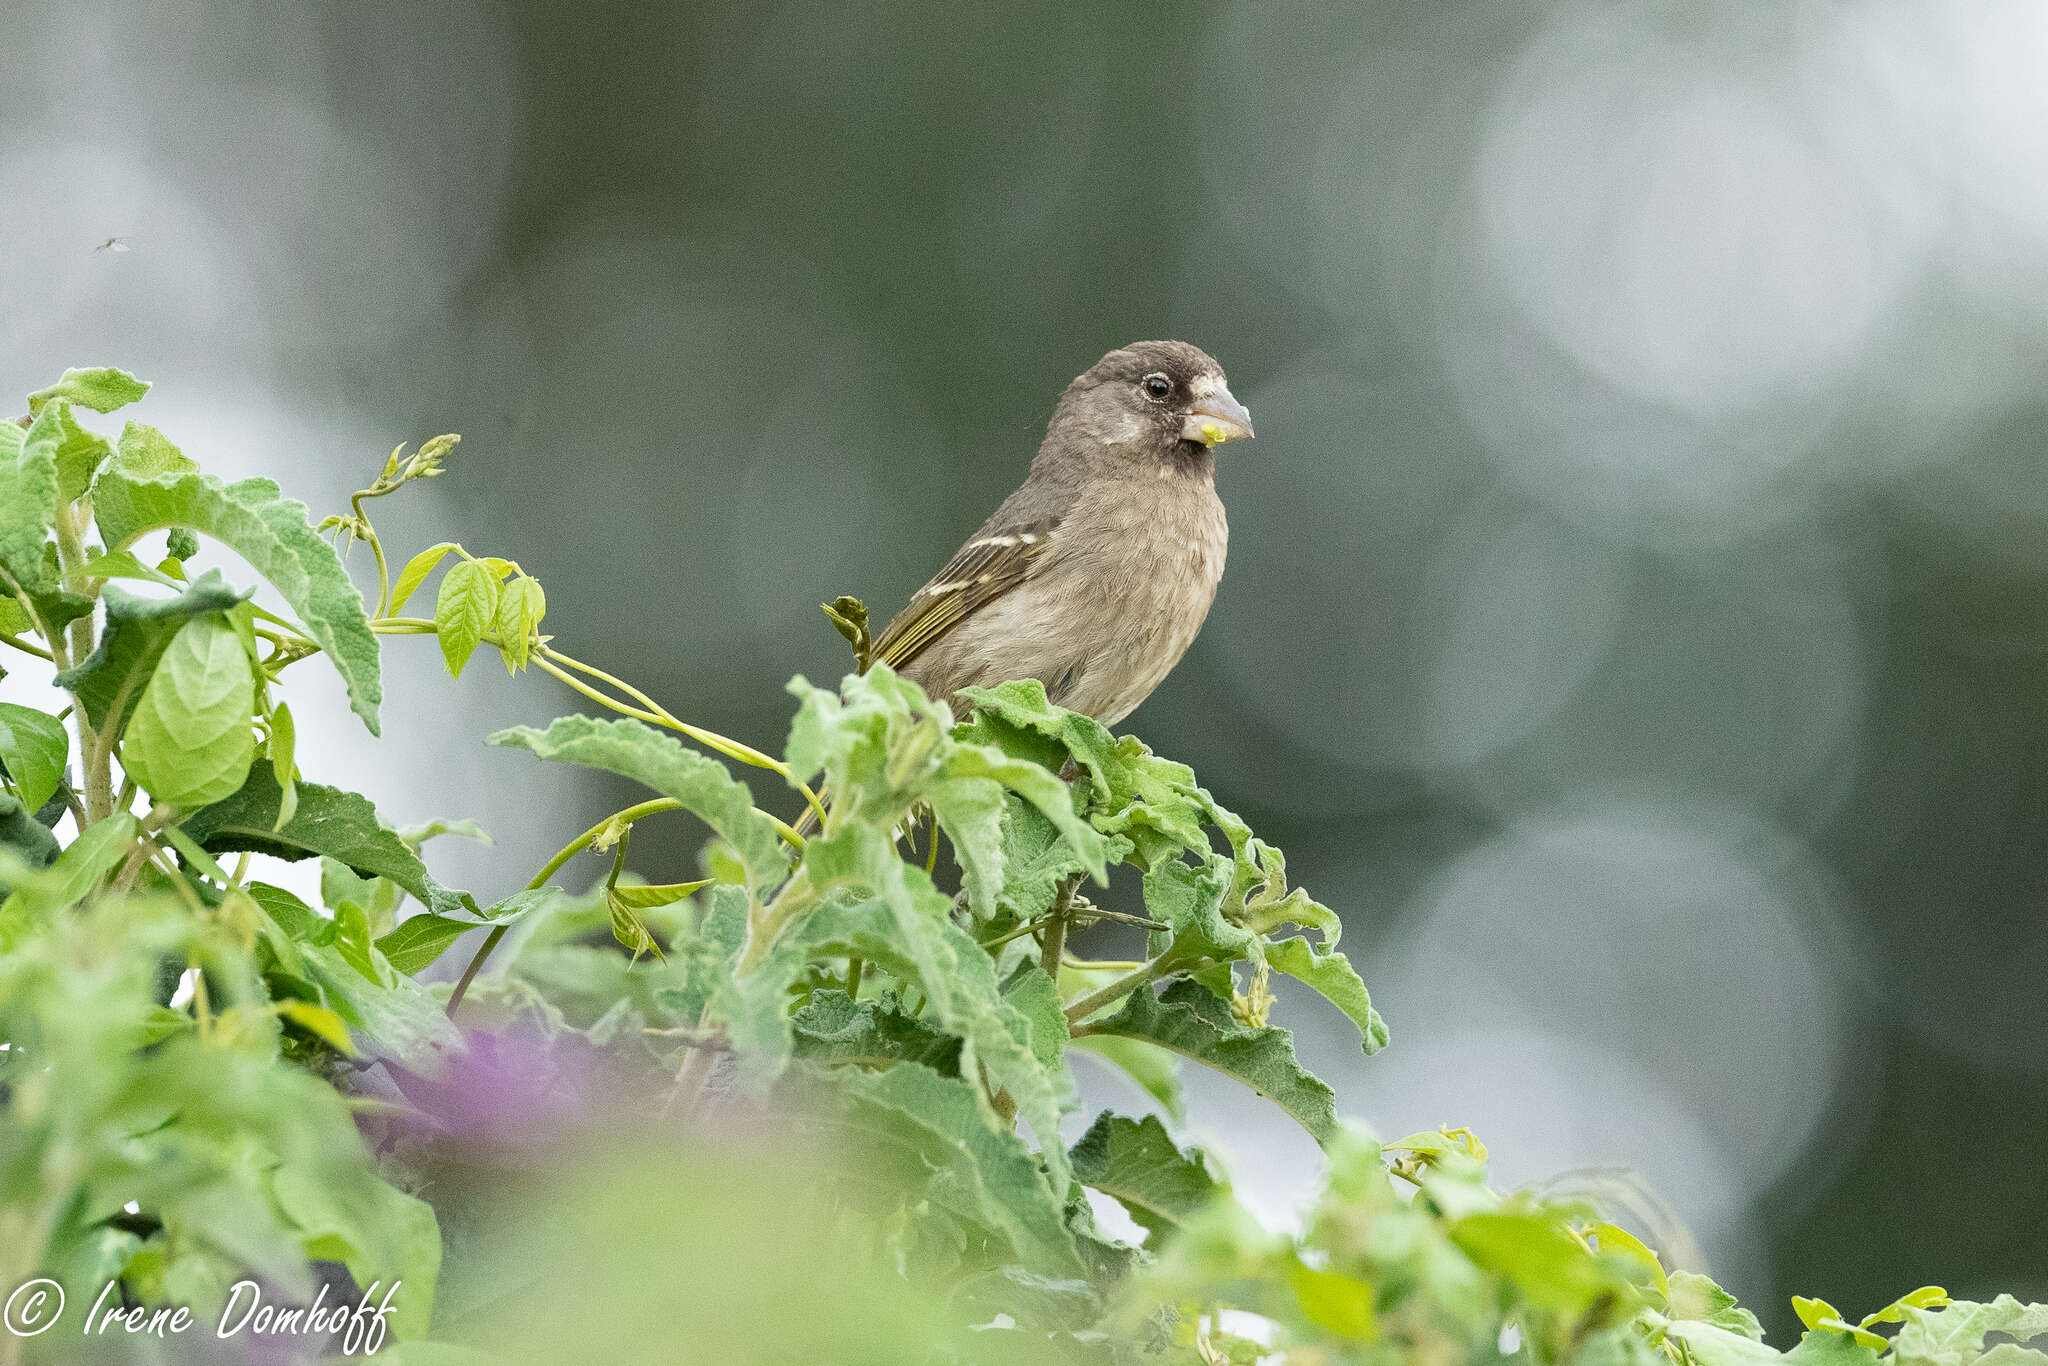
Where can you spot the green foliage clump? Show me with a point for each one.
(207, 1078)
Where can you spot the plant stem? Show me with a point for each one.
(548, 660)
(93, 757)
(1137, 977)
(38, 651)
(855, 966)
(540, 880)
(1053, 946)
(660, 715)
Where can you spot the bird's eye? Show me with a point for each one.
(1156, 386)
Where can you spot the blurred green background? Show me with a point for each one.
(1637, 618)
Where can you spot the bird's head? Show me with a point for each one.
(1163, 400)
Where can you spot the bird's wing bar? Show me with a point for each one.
(987, 567)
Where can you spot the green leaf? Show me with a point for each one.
(1330, 974)
(122, 564)
(1823, 1347)
(651, 896)
(1693, 1296)
(28, 501)
(418, 940)
(14, 618)
(292, 917)
(417, 835)
(284, 743)
(339, 825)
(143, 452)
(1188, 1019)
(80, 453)
(34, 746)
(627, 926)
(23, 838)
(971, 814)
(352, 941)
(1136, 1162)
(1711, 1346)
(1954, 1335)
(378, 1231)
(1926, 1297)
(1334, 1302)
(320, 1022)
(1042, 789)
(1156, 1071)
(992, 1167)
(272, 534)
(79, 869)
(904, 926)
(657, 761)
(100, 388)
(139, 629)
(521, 605)
(465, 611)
(415, 573)
(830, 1028)
(1036, 858)
(1538, 1256)
(189, 742)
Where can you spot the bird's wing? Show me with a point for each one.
(987, 567)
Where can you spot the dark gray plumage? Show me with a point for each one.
(1096, 574)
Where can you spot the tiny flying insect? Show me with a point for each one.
(113, 244)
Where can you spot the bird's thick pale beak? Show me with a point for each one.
(1217, 417)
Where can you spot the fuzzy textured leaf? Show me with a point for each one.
(992, 1165)
(144, 453)
(1331, 975)
(904, 926)
(100, 388)
(832, 1028)
(80, 453)
(1188, 1019)
(28, 500)
(1136, 1162)
(703, 786)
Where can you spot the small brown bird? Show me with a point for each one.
(1096, 574)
